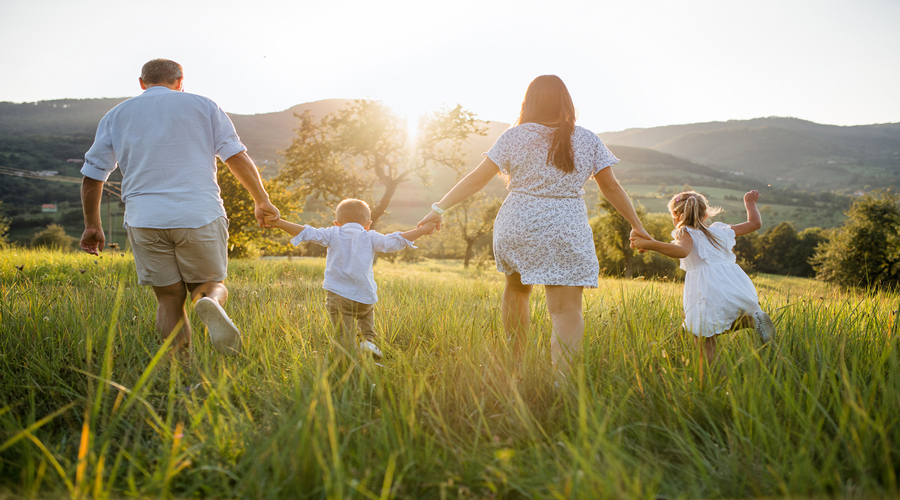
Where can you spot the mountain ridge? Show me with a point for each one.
(781, 151)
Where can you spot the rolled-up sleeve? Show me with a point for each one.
(100, 160)
(225, 136)
(390, 242)
(318, 235)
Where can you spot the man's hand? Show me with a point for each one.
(266, 212)
(92, 240)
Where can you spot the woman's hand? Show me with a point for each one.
(432, 217)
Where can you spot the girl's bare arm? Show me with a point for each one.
(678, 250)
(754, 220)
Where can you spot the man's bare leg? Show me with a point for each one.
(171, 318)
(208, 299)
(213, 289)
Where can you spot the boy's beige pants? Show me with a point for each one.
(343, 311)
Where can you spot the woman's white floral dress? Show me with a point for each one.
(542, 230)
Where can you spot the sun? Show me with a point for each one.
(412, 112)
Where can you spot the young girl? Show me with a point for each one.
(718, 295)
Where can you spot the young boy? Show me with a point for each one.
(349, 280)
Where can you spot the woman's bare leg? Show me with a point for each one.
(515, 312)
(564, 305)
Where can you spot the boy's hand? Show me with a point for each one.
(751, 197)
(429, 227)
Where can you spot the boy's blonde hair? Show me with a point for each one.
(353, 210)
(691, 208)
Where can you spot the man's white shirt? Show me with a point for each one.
(165, 142)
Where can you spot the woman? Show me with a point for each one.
(541, 234)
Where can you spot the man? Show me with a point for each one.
(165, 141)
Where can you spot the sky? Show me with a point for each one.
(639, 63)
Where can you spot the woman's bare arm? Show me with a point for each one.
(619, 199)
(472, 183)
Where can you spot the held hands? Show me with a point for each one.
(428, 227)
(432, 218)
(641, 244)
(751, 197)
(270, 221)
(266, 213)
(639, 233)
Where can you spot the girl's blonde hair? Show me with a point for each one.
(690, 209)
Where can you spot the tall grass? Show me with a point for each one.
(90, 405)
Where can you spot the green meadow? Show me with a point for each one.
(91, 406)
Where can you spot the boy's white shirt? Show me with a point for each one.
(351, 251)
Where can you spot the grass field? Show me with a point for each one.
(91, 407)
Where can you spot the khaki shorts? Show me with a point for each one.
(164, 257)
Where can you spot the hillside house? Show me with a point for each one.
(49, 208)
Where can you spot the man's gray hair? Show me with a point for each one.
(161, 71)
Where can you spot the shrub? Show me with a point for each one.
(53, 237)
(865, 251)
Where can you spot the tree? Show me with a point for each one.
(345, 154)
(245, 237)
(53, 237)
(746, 249)
(807, 242)
(611, 238)
(474, 218)
(776, 247)
(865, 251)
(614, 252)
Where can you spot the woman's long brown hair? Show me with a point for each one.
(547, 102)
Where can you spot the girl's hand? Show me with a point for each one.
(638, 232)
(751, 197)
(642, 243)
(432, 217)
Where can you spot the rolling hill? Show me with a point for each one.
(724, 158)
(783, 152)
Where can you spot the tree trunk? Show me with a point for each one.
(470, 243)
(390, 187)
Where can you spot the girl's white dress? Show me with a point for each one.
(716, 289)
